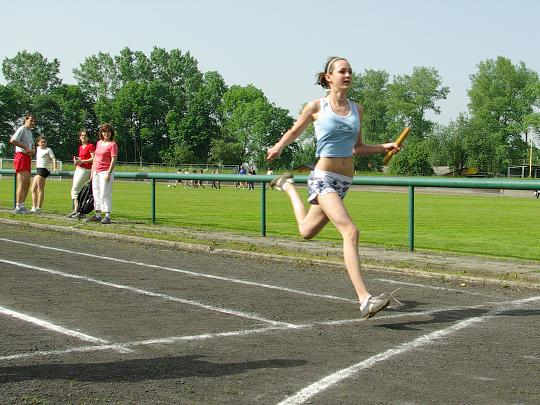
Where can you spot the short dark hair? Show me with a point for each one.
(106, 128)
(27, 116)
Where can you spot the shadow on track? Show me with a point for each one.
(138, 369)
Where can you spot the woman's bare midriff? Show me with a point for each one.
(340, 165)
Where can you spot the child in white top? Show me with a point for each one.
(44, 158)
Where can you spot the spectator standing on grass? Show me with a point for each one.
(44, 160)
(251, 184)
(337, 122)
(23, 141)
(200, 181)
(216, 183)
(102, 174)
(83, 167)
(269, 172)
(242, 172)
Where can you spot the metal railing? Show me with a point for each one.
(410, 182)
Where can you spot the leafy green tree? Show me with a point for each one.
(202, 121)
(410, 99)
(502, 98)
(413, 163)
(98, 77)
(11, 110)
(371, 91)
(73, 112)
(225, 152)
(31, 73)
(447, 145)
(251, 120)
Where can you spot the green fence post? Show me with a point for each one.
(411, 218)
(263, 208)
(14, 191)
(154, 201)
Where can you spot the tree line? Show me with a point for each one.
(164, 109)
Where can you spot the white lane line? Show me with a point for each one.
(150, 293)
(190, 273)
(327, 382)
(432, 287)
(148, 342)
(52, 327)
(82, 349)
(239, 333)
(233, 280)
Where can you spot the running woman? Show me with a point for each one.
(337, 121)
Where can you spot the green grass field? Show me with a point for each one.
(469, 224)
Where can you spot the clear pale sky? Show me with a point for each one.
(279, 45)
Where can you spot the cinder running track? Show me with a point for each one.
(90, 320)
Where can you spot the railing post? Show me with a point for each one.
(263, 208)
(411, 218)
(14, 190)
(153, 201)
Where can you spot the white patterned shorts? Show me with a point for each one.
(321, 182)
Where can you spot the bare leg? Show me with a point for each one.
(23, 185)
(333, 207)
(41, 191)
(38, 191)
(35, 191)
(310, 223)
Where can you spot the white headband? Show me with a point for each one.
(330, 64)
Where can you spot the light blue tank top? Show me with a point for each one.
(336, 135)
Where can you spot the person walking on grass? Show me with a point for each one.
(83, 166)
(23, 141)
(44, 160)
(102, 175)
(337, 122)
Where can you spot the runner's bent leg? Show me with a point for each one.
(310, 223)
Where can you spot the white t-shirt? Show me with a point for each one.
(23, 135)
(44, 158)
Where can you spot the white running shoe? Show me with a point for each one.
(21, 210)
(374, 305)
(280, 181)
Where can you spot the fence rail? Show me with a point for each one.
(410, 182)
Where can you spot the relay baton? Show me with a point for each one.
(399, 141)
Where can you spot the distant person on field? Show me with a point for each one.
(242, 172)
(102, 175)
(23, 141)
(269, 172)
(251, 184)
(337, 121)
(44, 160)
(215, 183)
(83, 167)
(179, 171)
(200, 181)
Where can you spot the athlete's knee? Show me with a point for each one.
(307, 232)
(351, 232)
